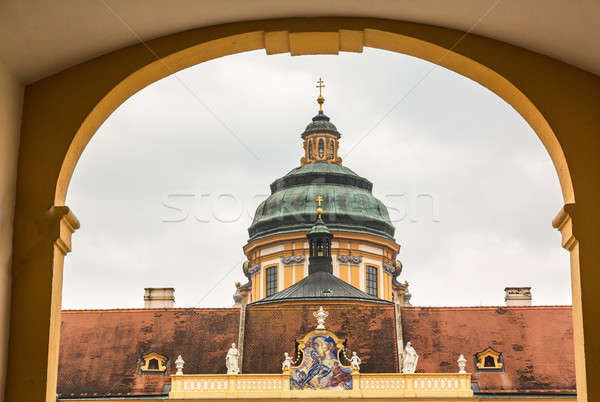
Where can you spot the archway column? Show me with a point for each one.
(585, 314)
(37, 291)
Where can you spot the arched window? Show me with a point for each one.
(321, 148)
(271, 281)
(489, 362)
(310, 154)
(331, 149)
(371, 281)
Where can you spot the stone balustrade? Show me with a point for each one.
(221, 386)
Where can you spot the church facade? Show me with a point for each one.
(322, 315)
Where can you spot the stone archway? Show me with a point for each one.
(62, 113)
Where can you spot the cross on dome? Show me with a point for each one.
(320, 99)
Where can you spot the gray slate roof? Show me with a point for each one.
(320, 286)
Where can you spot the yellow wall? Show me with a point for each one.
(298, 273)
(11, 97)
(344, 273)
(256, 287)
(287, 276)
(354, 271)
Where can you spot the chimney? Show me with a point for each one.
(517, 296)
(159, 297)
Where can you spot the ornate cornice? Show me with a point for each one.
(293, 259)
(349, 259)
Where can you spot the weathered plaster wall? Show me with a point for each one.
(11, 97)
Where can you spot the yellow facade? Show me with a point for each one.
(374, 251)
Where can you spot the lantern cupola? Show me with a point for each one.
(319, 244)
(321, 137)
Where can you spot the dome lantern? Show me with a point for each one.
(319, 242)
(321, 136)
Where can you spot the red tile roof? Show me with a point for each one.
(101, 350)
(536, 344)
(271, 330)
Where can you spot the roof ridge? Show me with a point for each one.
(141, 309)
(561, 306)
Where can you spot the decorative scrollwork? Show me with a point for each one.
(389, 268)
(293, 259)
(253, 269)
(349, 259)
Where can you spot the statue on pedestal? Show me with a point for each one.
(179, 365)
(410, 359)
(286, 365)
(355, 362)
(462, 364)
(232, 360)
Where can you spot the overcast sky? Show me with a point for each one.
(166, 189)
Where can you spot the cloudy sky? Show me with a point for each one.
(166, 189)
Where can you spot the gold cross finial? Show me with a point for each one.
(319, 210)
(320, 99)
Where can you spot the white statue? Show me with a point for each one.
(410, 359)
(355, 362)
(179, 365)
(462, 363)
(287, 362)
(320, 316)
(232, 360)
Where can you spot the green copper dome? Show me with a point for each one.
(348, 204)
(320, 123)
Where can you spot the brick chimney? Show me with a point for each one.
(517, 296)
(159, 297)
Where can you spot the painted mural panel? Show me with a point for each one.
(321, 368)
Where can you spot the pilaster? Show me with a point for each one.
(37, 288)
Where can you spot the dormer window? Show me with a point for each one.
(489, 360)
(153, 363)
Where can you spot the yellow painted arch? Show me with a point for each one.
(332, 37)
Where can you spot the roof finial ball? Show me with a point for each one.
(320, 99)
